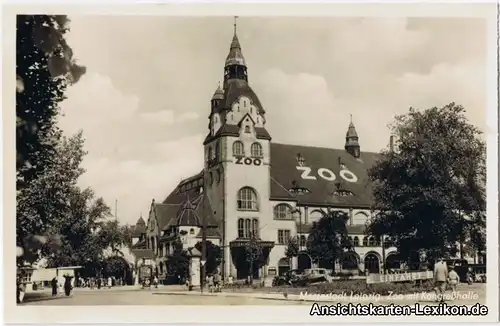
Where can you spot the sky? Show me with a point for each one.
(144, 101)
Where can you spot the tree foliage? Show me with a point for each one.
(115, 266)
(328, 239)
(292, 249)
(44, 68)
(253, 255)
(46, 202)
(424, 190)
(214, 256)
(178, 262)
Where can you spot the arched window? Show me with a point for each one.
(238, 149)
(256, 150)
(303, 241)
(377, 241)
(365, 241)
(191, 231)
(355, 242)
(387, 242)
(282, 212)
(247, 199)
(255, 228)
(372, 242)
(241, 228)
(247, 129)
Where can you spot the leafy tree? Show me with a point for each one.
(80, 231)
(328, 239)
(44, 67)
(44, 205)
(253, 256)
(115, 266)
(429, 193)
(292, 249)
(214, 256)
(178, 262)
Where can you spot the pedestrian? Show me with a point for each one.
(110, 282)
(210, 283)
(230, 281)
(156, 282)
(99, 283)
(22, 290)
(53, 284)
(440, 278)
(216, 278)
(453, 279)
(68, 286)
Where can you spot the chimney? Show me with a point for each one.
(391, 143)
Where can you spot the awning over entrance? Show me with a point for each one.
(243, 242)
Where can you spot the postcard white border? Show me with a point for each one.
(233, 314)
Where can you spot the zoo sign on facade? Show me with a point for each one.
(326, 174)
(248, 161)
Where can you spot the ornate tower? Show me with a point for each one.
(237, 159)
(352, 141)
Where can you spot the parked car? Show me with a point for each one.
(315, 275)
(287, 278)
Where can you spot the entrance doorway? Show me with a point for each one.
(372, 263)
(283, 266)
(303, 262)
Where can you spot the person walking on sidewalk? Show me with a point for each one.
(453, 279)
(53, 284)
(440, 278)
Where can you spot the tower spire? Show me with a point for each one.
(235, 66)
(235, 18)
(352, 140)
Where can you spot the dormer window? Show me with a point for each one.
(247, 129)
(191, 231)
(300, 159)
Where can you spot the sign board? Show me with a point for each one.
(326, 174)
(400, 277)
(271, 271)
(248, 161)
(145, 271)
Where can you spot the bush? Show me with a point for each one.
(356, 287)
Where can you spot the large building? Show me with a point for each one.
(253, 187)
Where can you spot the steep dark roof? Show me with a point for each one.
(284, 171)
(140, 245)
(235, 88)
(165, 213)
(139, 230)
(234, 130)
(186, 216)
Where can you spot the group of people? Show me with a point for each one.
(62, 286)
(444, 276)
(100, 282)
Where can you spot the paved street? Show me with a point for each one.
(176, 296)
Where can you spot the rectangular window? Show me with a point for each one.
(283, 237)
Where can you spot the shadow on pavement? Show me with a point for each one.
(40, 296)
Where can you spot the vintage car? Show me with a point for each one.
(316, 275)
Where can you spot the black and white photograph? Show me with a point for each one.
(341, 162)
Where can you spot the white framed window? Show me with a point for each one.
(248, 227)
(282, 212)
(247, 199)
(256, 150)
(238, 148)
(283, 237)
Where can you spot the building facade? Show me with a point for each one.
(248, 189)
